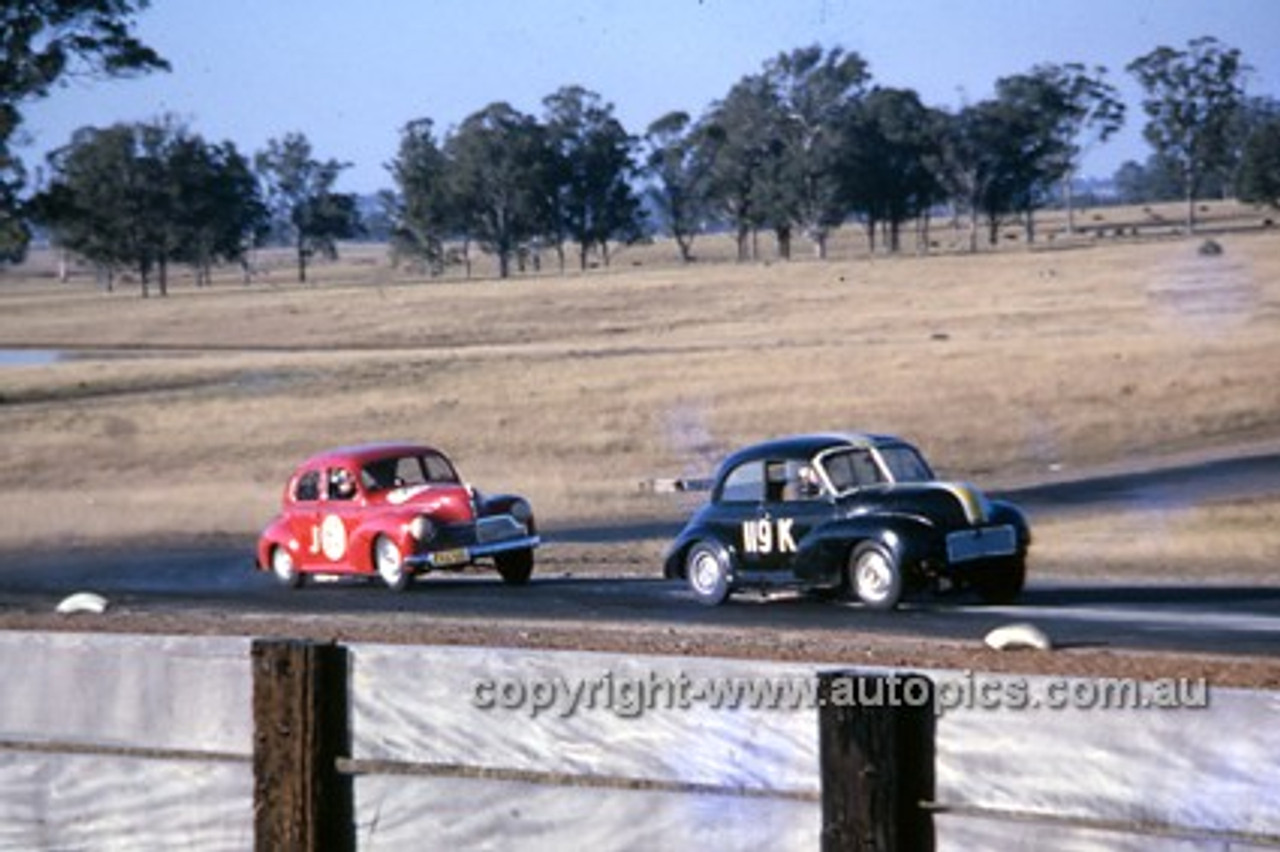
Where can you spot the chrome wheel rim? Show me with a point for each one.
(390, 564)
(706, 572)
(282, 565)
(874, 576)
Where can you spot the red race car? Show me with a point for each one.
(396, 510)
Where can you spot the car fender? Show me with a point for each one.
(275, 535)
(361, 539)
(1003, 512)
(824, 552)
(500, 504)
(673, 567)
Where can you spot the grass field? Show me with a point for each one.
(180, 418)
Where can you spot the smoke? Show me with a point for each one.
(688, 436)
(1209, 293)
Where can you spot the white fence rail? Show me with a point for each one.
(144, 742)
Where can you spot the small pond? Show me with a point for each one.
(28, 357)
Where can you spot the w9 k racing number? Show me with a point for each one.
(767, 536)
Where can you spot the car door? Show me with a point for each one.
(754, 515)
(340, 515)
(792, 506)
(804, 503)
(304, 517)
(736, 508)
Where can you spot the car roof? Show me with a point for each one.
(805, 447)
(362, 454)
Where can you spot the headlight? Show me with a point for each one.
(421, 528)
(521, 511)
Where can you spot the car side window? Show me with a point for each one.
(775, 475)
(802, 482)
(307, 488)
(744, 484)
(342, 485)
(380, 475)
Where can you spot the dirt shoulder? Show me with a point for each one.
(836, 647)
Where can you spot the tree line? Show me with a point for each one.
(807, 144)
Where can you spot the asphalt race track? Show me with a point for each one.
(1217, 618)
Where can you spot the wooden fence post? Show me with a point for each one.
(301, 803)
(876, 754)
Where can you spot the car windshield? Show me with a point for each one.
(851, 468)
(856, 467)
(905, 464)
(405, 471)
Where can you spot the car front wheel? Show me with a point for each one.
(285, 569)
(707, 570)
(389, 561)
(1003, 584)
(515, 566)
(875, 576)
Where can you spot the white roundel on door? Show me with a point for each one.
(333, 538)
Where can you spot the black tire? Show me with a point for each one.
(875, 577)
(388, 561)
(515, 566)
(706, 568)
(1002, 584)
(284, 568)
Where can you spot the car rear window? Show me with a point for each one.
(744, 484)
(307, 487)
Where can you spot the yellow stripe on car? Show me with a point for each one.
(969, 498)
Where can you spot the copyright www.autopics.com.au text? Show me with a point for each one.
(632, 696)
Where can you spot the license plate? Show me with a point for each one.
(446, 558)
(967, 545)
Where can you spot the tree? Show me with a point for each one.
(815, 92)
(889, 152)
(1259, 179)
(1074, 107)
(591, 164)
(14, 233)
(498, 162)
(1141, 183)
(424, 211)
(1193, 98)
(300, 196)
(141, 196)
(680, 163)
(744, 131)
(41, 43)
(218, 214)
(1042, 112)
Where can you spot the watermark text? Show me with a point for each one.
(632, 696)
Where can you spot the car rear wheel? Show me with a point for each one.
(285, 569)
(1002, 584)
(707, 570)
(875, 576)
(515, 566)
(389, 562)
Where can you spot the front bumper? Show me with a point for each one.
(455, 556)
(463, 544)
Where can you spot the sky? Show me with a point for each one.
(350, 75)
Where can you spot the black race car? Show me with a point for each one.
(853, 515)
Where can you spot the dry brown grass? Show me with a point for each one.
(1221, 542)
(574, 388)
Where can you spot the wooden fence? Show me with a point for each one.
(145, 742)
